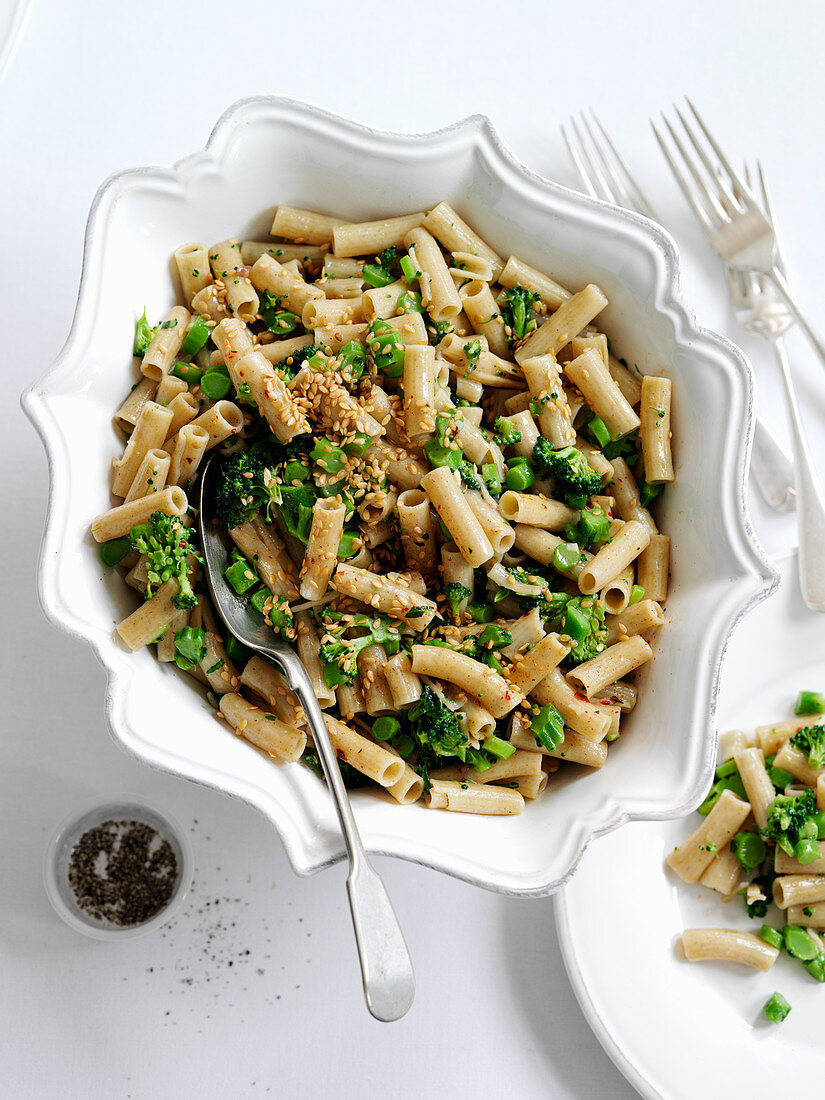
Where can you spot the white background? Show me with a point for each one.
(186, 1012)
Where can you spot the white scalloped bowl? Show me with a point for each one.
(269, 150)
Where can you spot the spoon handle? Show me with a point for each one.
(386, 967)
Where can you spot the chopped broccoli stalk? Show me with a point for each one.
(490, 477)
(167, 544)
(622, 448)
(241, 576)
(776, 1008)
(499, 748)
(353, 360)
(456, 594)
(648, 493)
(731, 783)
(591, 527)
(190, 647)
(575, 481)
(386, 348)
(548, 727)
(196, 336)
(811, 741)
(599, 430)
(787, 818)
(750, 849)
(410, 302)
(435, 728)
(279, 321)
(810, 702)
(517, 310)
(507, 432)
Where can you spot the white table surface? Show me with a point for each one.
(254, 989)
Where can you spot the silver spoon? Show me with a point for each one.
(386, 968)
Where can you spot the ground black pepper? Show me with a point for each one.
(123, 872)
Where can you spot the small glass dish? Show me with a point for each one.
(59, 851)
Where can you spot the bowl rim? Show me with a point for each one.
(758, 577)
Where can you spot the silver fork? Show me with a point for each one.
(606, 175)
(759, 309)
(728, 211)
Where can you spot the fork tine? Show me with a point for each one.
(595, 170)
(694, 204)
(704, 190)
(701, 200)
(768, 207)
(618, 187)
(640, 199)
(723, 160)
(714, 173)
(580, 168)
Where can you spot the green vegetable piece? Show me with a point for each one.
(637, 594)
(190, 646)
(591, 527)
(410, 302)
(359, 445)
(648, 493)
(728, 767)
(189, 372)
(517, 310)
(786, 815)
(750, 849)
(408, 269)
(386, 348)
(143, 335)
(295, 471)
(731, 783)
(773, 936)
(799, 944)
(386, 728)
(258, 599)
(816, 967)
(810, 702)
(241, 576)
(437, 455)
(499, 748)
(456, 594)
(519, 478)
(495, 637)
(507, 432)
(811, 741)
(818, 819)
(548, 727)
(489, 475)
(599, 431)
(566, 556)
(328, 455)
(435, 728)
(780, 778)
(806, 850)
(575, 480)
(776, 1008)
(167, 545)
(346, 545)
(215, 385)
(481, 613)
(376, 276)
(114, 551)
(197, 335)
(235, 651)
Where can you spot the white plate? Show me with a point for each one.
(681, 1030)
(267, 150)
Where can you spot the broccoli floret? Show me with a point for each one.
(507, 432)
(167, 544)
(811, 740)
(242, 490)
(351, 776)
(517, 311)
(472, 351)
(387, 258)
(469, 474)
(296, 359)
(575, 481)
(435, 728)
(248, 482)
(786, 816)
(340, 656)
(456, 593)
(436, 330)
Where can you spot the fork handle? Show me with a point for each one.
(772, 469)
(813, 335)
(810, 506)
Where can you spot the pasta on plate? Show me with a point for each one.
(437, 479)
